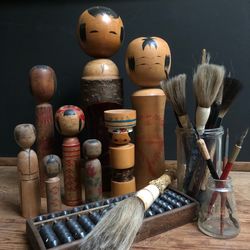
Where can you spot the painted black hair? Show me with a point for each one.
(100, 10)
(149, 41)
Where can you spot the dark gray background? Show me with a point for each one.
(43, 32)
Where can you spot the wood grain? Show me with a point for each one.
(12, 225)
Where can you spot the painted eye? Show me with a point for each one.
(157, 63)
(93, 31)
(113, 32)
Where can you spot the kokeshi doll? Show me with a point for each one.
(100, 34)
(43, 87)
(120, 123)
(69, 122)
(148, 61)
(52, 165)
(92, 149)
(27, 166)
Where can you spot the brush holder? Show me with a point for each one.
(215, 219)
(192, 171)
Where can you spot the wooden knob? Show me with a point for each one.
(100, 31)
(147, 58)
(42, 83)
(120, 118)
(100, 69)
(69, 120)
(92, 148)
(25, 135)
(53, 165)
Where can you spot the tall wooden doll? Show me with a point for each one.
(27, 166)
(70, 122)
(148, 62)
(43, 87)
(100, 34)
(52, 165)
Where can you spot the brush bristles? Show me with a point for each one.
(232, 87)
(207, 81)
(118, 228)
(175, 89)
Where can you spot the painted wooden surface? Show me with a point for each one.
(12, 225)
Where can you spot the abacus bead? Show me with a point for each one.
(149, 213)
(62, 232)
(86, 223)
(95, 217)
(157, 209)
(40, 218)
(49, 237)
(75, 228)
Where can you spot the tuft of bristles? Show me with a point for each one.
(207, 81)
(118, 227)
(232, 87)
(175, 89)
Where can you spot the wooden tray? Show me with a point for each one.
(151, 226)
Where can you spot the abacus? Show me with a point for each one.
(65, 229)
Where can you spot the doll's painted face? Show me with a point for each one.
(100, 31)
(148, 61)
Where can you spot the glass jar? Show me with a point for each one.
(217, 216)
(192, 171)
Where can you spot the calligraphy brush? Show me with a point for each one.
(119, 226)
(231, 89)
(175, 89)
(207, 81)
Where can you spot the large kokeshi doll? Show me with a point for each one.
(148, 61)
(100, 34)
(70, 121)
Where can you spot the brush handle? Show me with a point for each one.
(218, 122)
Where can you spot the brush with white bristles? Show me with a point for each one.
(119, 226)
(175, 89)
(207, 81)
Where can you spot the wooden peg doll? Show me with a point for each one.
(100, 34)
(70, 122)
(27, 166)
(43, 87)
(148, 61)
(120, 123)
(92, 149)
(52, 165)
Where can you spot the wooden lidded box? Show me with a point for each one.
(172, 209)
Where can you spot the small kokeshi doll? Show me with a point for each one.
(27, 166)
(70, 121)
(100, 33)
(43, 86)
(92, 149)
(120, 123)
(148, 61)
(52, 165)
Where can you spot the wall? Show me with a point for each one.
(44, 33)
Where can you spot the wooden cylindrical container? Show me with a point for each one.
(52, 165)
(101, 85)
(43, 86)
(148, 61)
(92, 149)
(27, 166)
(70, 121)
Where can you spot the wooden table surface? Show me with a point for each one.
(12, 225)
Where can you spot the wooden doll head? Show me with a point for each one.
(69, 120)
(42, 82)
(147, 58)
(25, 135)
(100, 31)
(100, 69)
(52, 165)
(92, 148)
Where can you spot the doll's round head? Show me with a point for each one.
(148, 61)
(69, 120)
(52, 165)
(100, 31)
(92, 148)
(42, 82)
(25, 135)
